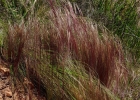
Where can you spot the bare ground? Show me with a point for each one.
(10, 92)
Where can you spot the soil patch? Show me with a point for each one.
(10, 92)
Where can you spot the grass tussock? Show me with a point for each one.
(67, 56)
(120, 17)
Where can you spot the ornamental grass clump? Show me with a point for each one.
(66, 56)
(99, 53)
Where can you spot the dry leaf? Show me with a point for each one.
(5, 71)
(7, 92)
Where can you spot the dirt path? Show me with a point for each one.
(9, 92)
